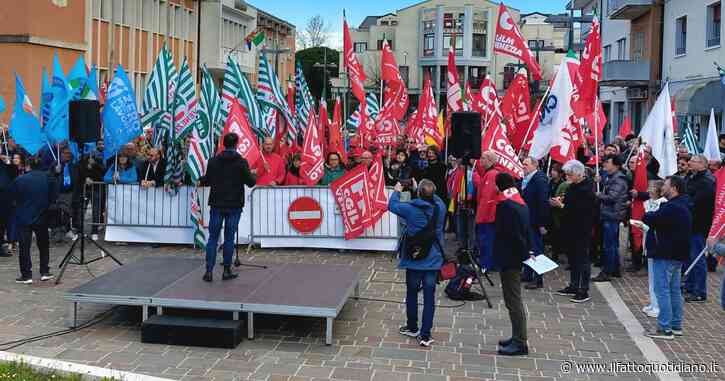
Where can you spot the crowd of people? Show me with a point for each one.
(470, 198)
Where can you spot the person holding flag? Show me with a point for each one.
(701, 190)
(227, 173)
(271, 169)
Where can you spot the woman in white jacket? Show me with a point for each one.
(651, 205)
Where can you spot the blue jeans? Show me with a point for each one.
(610, 247)
(696, 281)
(230, 218)
(667, 274)
(537, 246)
(486, 236)
(413, 280)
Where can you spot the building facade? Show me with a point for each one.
(548, 37)
(105, 32)
(691, 46)
(420, 37)
(131, 33)
(279, 46)
(225, 24)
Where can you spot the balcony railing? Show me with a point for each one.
(628, 9)
(625, 72)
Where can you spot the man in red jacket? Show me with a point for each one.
(271, 169)
(484, 180)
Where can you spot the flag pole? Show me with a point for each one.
(596, 140)
(115, 167)
(704, 250)
(531, 123)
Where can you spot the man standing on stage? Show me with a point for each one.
(227, 173)
(271, 169)
(512, 247)
(32, 194)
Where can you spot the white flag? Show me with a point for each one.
(555, 112)
(659, 134)
(712, 148)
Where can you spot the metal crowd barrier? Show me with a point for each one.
(133, 205)
(269, 211)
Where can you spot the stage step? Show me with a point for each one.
(192, 331)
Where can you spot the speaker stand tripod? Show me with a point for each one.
(70, 258)
(237, 261)
(468, 251)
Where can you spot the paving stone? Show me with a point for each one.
(352, 374)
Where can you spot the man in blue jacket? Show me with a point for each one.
(32, 194)
(7, 175)
(416, 214)
(535, 191)
(672, 224)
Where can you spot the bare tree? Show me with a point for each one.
(316, 33)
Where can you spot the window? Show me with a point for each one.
(118, 11)
(713, 25)
(607, 53)
(479, 45)
(96, 9)
(508, 75)
(536, 44)
(622, 49)
(106, 9)
(147, 15)
(404, 73)
(162, 19)
(681, 36)
(476, 75)
(380, 44)
(428, 45)
(447, 38)
(129, 12)
(638, 48)
(360, 47)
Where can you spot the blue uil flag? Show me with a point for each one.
(121, 122)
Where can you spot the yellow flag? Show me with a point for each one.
(441, 129)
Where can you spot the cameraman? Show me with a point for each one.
(417, 214)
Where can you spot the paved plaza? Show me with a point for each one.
(367, 345)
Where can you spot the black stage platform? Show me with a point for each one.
(294, 289)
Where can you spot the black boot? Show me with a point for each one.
(514, 349)
(228, 274)
(208, 277)
(505, 342)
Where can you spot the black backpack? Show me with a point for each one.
(419, 245)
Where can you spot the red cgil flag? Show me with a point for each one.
(509, 41)
(238, 124)
(355, 72)
(352, 195)
(376, 186)
(599, 123)
(387, 128)
(495, 139)
(291, 97)
(640, 185)
(428, 114)
(489, 100)
(313, 160)
(516, 109)
(587, 77)
(626, 128)
(324, 125)
(396, 94)
(335, 143)
(718, 217)
(453, 91)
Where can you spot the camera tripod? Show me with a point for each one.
(468, 252)
(70, 258)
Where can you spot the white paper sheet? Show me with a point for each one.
(541, 264)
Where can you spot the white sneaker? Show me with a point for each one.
(653, 313)
(647, 308)
(47, 277)
(70, 235)
(94, 237)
